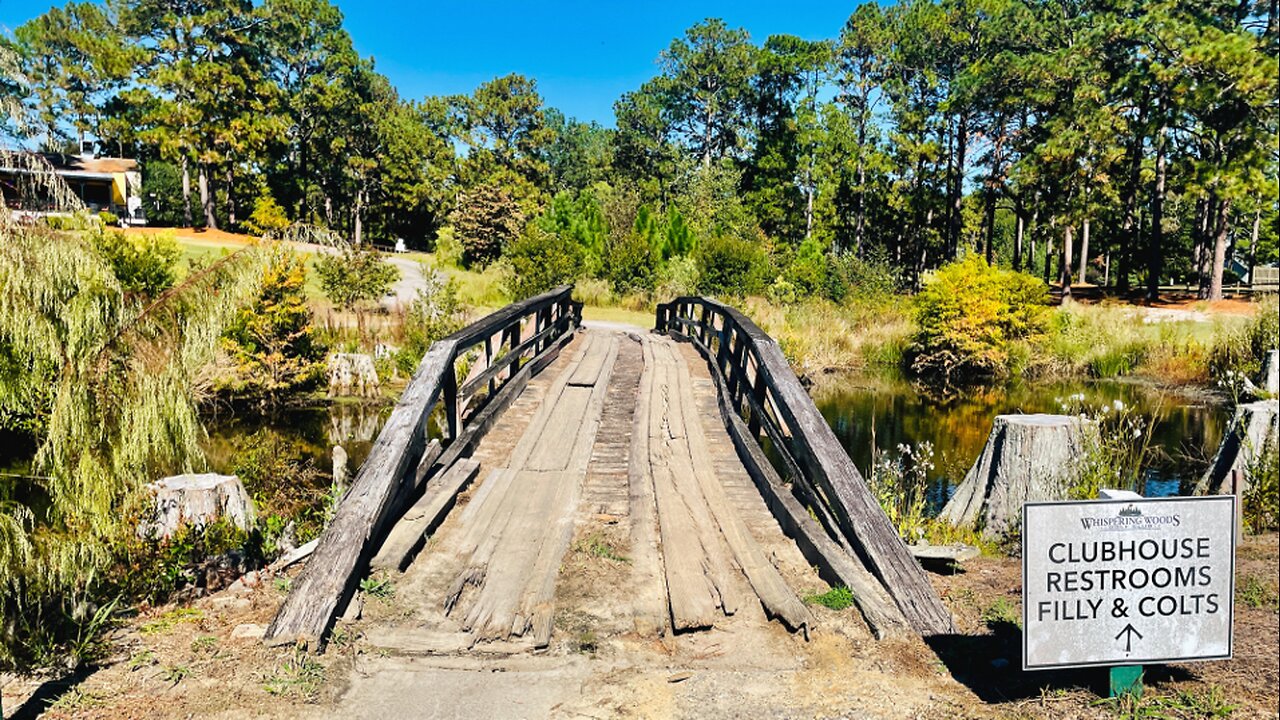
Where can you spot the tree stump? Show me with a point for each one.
(1027, 458)
(196, 501)
(352, 375)
(339, 467)
(1269, 378)
(1252, 434)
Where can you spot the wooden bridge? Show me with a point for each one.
(692, 451)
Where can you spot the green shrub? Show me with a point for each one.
(969, 315)
(486, 220)
(631, 264)
(809, 272)
(783, 292)
(678, 276)
(267, 216)
(448, 248)
(678, 239)
(145, 264)
(578, 219)
(108, 219)
(433, 314)
(868, 281)
(539, 261)
(355, 276)
(286, 486)
(153, 569)
(71, 222)
(730, 266)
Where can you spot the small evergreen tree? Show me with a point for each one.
(271, 340)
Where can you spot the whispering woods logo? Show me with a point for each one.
(1130, 518)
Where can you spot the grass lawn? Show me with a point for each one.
(618, 315)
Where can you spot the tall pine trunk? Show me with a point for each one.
(206, 198)
(1155, 249)
(1017, 241)
(1221, 230)
(186, 194)
(1084, 250)
(956, 209)
(1253, 240)
(1131, 229)
(1066, 264)
(231, 198)
(1048, 252)
(358, 225)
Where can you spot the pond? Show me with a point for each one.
(865, 410)
(314, 430)
(884, 411)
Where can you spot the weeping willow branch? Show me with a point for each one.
(118, 403)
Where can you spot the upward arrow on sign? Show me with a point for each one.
(1127, 633)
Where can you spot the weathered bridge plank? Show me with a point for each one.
(816, 449)
(389, 475)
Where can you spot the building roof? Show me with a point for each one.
(80, 164)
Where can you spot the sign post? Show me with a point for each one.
(1125, 583)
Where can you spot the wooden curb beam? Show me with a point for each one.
(766, 393)
(390, 479)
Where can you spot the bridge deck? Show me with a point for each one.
(609, 503)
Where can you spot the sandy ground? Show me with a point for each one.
(187, 662)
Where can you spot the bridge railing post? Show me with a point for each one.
(449, 392)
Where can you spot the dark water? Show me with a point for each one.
(316, 430)
(869, 411)
(865, 411)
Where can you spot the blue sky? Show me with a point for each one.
(583, 54)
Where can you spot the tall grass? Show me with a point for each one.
(819, 335)
(1106, 341)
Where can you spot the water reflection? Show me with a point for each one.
(883, 411)
(352, 425)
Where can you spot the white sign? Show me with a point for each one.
(1127, 582)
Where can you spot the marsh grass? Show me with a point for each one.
(1111, 340)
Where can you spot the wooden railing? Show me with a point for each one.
(500, 352)
(765, 392)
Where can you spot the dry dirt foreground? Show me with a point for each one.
(597, 521)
